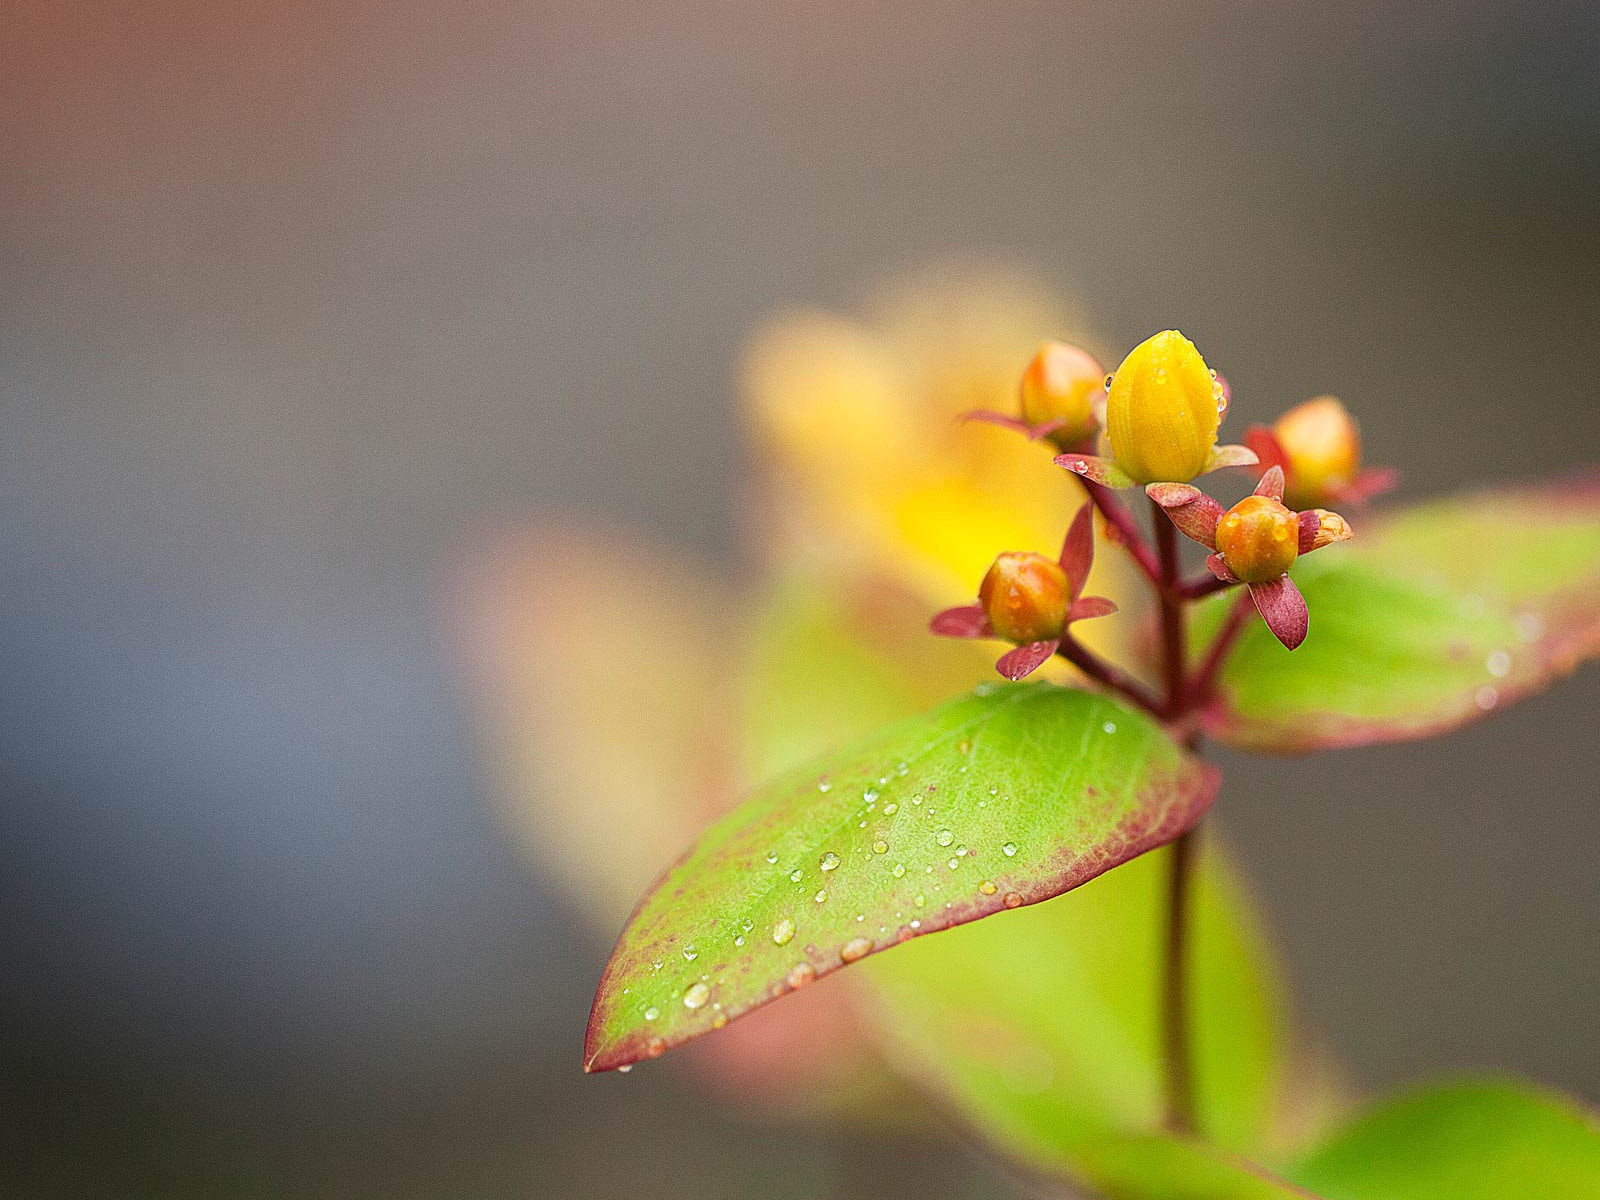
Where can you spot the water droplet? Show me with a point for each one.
(718, 1021)
(1012, 900)
(1009, 849)
(954, 863)
(655, 964)
(624, 1068)
(880, 847)
(961, 850)
(822, 894)
(919, 900)
(655, 1047)
(890, 809)
(944, 837)
(772, 856)
(916, 923)
(1499, 664)
(746, 925)
(987, 887)
(783, 931)
(829, 861)
(690, 953)
(824, 784)
(855, 948)
(917, 799)
(697, 995)
(651, 1013)
(899, 870)
(801, 974)
(795, 875)
(739, 941)
(1106, 382)
(1111, 726)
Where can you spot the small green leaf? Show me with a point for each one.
(1480, 1140)
(1164, 1167)
(1428, 620)
(995, 800)
(1043, 1031)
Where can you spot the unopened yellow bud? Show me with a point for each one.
(1059, 386)
(1025, 597)
(1258, 538)
(1163, 410)
(1323, 445)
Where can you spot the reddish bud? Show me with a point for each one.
(1058, 390)
(1331, 528)
(1258, 538)
(1026, 597)
(1322, 445)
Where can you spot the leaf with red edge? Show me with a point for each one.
(1096, 470)
(903, 834)
(1427, 620)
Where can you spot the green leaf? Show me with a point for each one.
(1428, 620)
(1164, 1167)
(997, 799)
(1478, 1140)
(1043, 1030)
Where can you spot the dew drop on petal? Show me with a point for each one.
(855, 948)
(783, 931)
(697, 995)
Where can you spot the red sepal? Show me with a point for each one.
(1366, 485)
(1025, 660)
(1096, 470)
(1191, 510)
(1283, 608)
(1090, 607)
(1077, 550)
(1310, 524)
(1219, 567)
(1271, 484)
(1033, 433)
(967, 621)
(1266, 445)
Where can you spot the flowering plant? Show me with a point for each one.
(1130, 1040)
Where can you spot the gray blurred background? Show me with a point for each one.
(297, 297)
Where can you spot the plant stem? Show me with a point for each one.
(1098, 669)
(1205, 676)
(1205, 585)
(1174, 990)
(1174, 978)
(1128, 532)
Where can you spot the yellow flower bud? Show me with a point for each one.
(1163, 411)
(1323, 445)
(1059, 385)
(1258, 538)
(1025, 597)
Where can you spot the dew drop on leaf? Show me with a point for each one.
(899, 870)
(697, 995)
(1012, 900)
(795, 875)
(690, 953)
(944, 837)
(801, 974)
(1109, 727)
(1009, 849)
(624, 1068)
(880, 847)
(822, 895)
(855, 948)
(651, 1013)
(987, 887)
(890, 809)
(655, 1047)
(772, 856)
(783, 931)
(824, 785)
(829, 861)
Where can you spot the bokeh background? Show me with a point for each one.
(298, 299)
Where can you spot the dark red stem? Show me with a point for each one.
(1128, 531)
(1175, 1047)
(1205, 676)
(1096, 668)
(1202, 586)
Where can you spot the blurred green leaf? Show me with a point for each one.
(1428, 620)
(1479, 1140)
(1042, 1028)
(993, 800)
(1163, 1167)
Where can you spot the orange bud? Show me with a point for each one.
(1258, 538)
(1163, 410)
(1323, 445)
(1059, 385)
(1025, 596)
